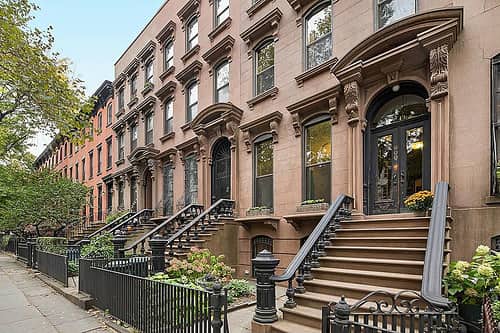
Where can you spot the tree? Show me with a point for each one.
(37, 89)
(41, 199)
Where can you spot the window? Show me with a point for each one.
(192, 34)
(99, 202)
(222, 83)
(168, 190)
(83, 169)
(149, 129)
(318, 35)
(121, 197)
(192, 101)
(65, 149)
(133, 87)
(109, 153)
(91, 164)
(264, 67)
(91, 205)
(70, 175)
(168, 55)
(99, 160)
(190, 180)
(65, 172)
(121, 147)
(389, 11)
(133, 194)
(121, 101)
(495, 118)
(221, 10)
(109, 197)
(109, 114)
(76, 172)
(133, 137)
(91, 130)
(263, 183)
(168, 114)
(149, 72)
(317, 158)
(259, 244)
(99, 122)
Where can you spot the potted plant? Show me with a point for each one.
(259, 211)
(468, 283)
(420, 202)
(312, 205)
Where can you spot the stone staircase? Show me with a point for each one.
(366, 254)
(86, 230)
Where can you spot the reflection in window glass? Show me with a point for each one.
(318, 155)
(149, 128)
(319, 36)
(264, 174)
(384, 168)
(390, 11)
(169, 117)
(149, 72)
(222, 11)
(169, 55)
(168, 190)
(400, 108)
(495, 118)
(414, 160)
(192, 101)
(264, 68)
(222, 83)
(190, 180)
(192, 34)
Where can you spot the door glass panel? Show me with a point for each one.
(401, 108)
(384, 168)
(414, 159)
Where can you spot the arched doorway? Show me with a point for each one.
(397, 148)
(221, 170)
(148, 190)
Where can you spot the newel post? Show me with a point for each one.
(119, 241)
(217, 303)
(341, 314)
(157, 245)
(265, 264)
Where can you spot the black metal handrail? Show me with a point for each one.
(191, 210)
(106, 227)
(313, 248)
(134, 219)
(223, 207)
(432, 279)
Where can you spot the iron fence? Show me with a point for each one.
(22, 250)
(53, 265)
(11, 244)
(73, 253)
(152, 306)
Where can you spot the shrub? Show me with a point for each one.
(312, 202)
(495, 307)
(420, 201)
(115, 215)
(99, 247)
(55, 245)
(238, 288)
(72, 268)
(4, 241)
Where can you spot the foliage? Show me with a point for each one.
(420, 201)
(238, 288)
(4, 241)
(258, 209)
(99, 247)
(41, 201)
(72, 268)
(115, 215)
(468, 283)
(37, 88)
(55, 245)
(312, 202)
(200, 263)
(181, 281)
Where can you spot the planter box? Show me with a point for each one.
(260, 212)
(317, 207)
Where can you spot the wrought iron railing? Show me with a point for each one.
(490, 325)
(135, 220)
(383, 312)
(22, 250)
(111, 224)
(314, 248)
(53, 265)
(152, 306)
(166, 228)
(191, 230)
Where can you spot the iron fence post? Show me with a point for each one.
(217, 308)
(119, 241)
(341, 317)
(157, 245)
(265, 264)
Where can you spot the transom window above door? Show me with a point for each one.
(398, 109)
(389, 11)
(318, 35)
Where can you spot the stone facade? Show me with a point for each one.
(443, 50)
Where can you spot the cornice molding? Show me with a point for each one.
(220, 28)
(269, 123)
(147, 104)
(219, 50)
(191, 71)
(166, 91)
(118, 82)
(166, 73)
(270, 93)
(166, 33)
(268, 23)
(256, 7)
(147, 51)
(132, 67)
(216, 113)
(189, 54)
(192, 7)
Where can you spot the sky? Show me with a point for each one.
(92, 34)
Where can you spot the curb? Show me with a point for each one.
(81, 300)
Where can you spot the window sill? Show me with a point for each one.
(120, 112)
(220, 28)
(194, 50)
(167, 136)
(310, 73)
(132, 102)
(167, 73)
(263, 96)
(493, 200)
(119, 162)
(186, 126)
(147, 89)
(99, 173)
(109, 168)
(256, 7)
(248, 221)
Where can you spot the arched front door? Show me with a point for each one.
(221, 170)
(148, 190)
(398, 149)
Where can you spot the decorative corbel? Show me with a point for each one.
(273, 125)
(152, 164)
(246, 141)
(332, 109)
(351, 94)
(203, 140)
(439, 71)
(232, 129)
(196, 148)
(296, 124)
(181, 157)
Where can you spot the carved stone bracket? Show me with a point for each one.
(152, 164)
(232, 129)
(187, 147)
(351, 95)
(439, 71)
(269, 123)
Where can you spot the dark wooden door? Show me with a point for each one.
(221, 170)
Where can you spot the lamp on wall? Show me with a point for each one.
(395, 88)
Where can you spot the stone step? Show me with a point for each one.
(386, 222)
(374, 264)
(378, 252)
(384, 232)
(303, 315)
(381, 241)
(317, 300)
(288, 327)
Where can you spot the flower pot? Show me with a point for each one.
(470, 312)
(420, 213)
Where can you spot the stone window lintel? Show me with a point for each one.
(191, 8)
(263, 96)
(269, 123)
(166, 33)
(269, 23)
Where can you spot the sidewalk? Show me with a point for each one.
(28, 305)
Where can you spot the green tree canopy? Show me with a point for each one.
(37, 89)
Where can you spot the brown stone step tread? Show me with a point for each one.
(399, 276)
(367, 288)
(284, 326)
(378, 248)
(375, 261)
(384, 229)
(319, 297)
(382, 238)
(304, 311)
